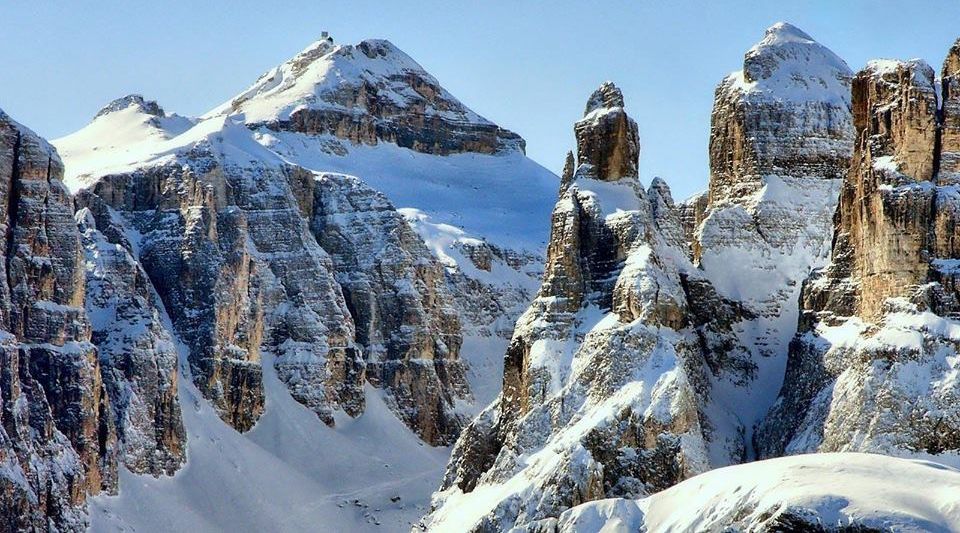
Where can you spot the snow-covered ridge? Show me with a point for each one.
(125, 133)
(805, 492)
(147, 106)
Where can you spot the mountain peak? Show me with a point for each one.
(789, 65)
(366, 93)
(314, 78)
(149, 107)
(308, 55)
(784, 32)
(608, 144)
(608, 95)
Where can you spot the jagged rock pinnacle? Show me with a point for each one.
(607, 138)
(607, 95)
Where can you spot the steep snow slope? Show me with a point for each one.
(126, 130)
(290, 473)
(800, 493)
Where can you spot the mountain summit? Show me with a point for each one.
(367, 93)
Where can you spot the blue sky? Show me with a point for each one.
(528, 66)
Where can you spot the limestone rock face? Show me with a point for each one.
(949, 161)
(692, 212)
(868, 369)
(787, 113)
(138, 357)
(57, 442)
(396, 291)
(606, 378)
(607, 138)
(241, 276)
(375, 93)
(780, 141)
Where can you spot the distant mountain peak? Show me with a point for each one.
(149, 107)
(312, 78)
(786, 32)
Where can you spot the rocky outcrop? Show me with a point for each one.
(606, 377)
(138, 357)
(869, 369)
(376, 93)
(57, 442)
(780, 141)
(149, 107)
(607, 138)
(241, 276)
(395, 289)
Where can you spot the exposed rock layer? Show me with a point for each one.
(396, 292)
(869, 369)
(606, 377)
(57, 443)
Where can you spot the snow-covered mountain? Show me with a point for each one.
(661, 334)
(279, 315)
(245, 304)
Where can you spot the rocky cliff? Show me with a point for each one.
(138, 355)
(871, 367)
(605, 386)
(58, 439)
(634, 369)
(781, 137)
(236, 244)
(395, 289)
